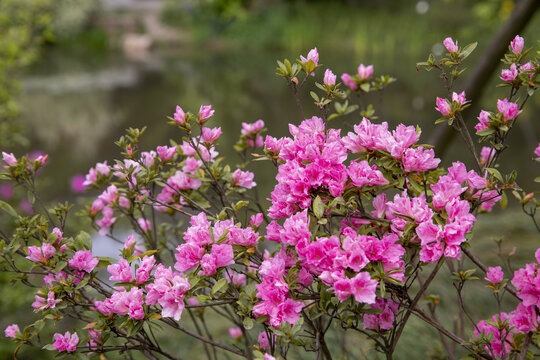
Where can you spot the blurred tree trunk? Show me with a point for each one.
(485, 67)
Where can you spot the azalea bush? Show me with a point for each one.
(358, 227)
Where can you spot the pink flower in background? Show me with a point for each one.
(243, 179)
(365, 72)
(443, 106)
(263, 340)
(103, 168)
(517, 45)
(9, 159)
(252, 128)
(483, 120)
(77, 183)
(84, 261)
(509, 110)
(486, 154)
(206, 112)
(145, 225)
(383, 321)
(12, 330)
(329, 78)
(450, 45)
(235, 333)
(537, 152)
(179, 115)
(494, 275)
(349, 81)
(6, 191)
(509, 75)
(210, 135)
(66, 342)
(26, 206)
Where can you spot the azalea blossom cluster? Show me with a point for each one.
(525, 318)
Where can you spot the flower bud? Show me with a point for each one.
(179, 115)
(329, 78)
(517, 45)
(443, 106)
(450, 45)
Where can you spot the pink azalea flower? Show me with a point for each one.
(459, 98)
(9, 159)
(329, 78)
(486, 154)
(362, 174)
(206, 112)
(77, 183)
(142, 274)
(243, 179)
(41, 254)
(120, 272)
(517, 44)
(210, 135)
(83, 261)
(483, 120)
(365, 72)
(179, 115)
(263, 340)
(509, 75)
(145, 224)
(66, 342)
(12, 330)
(494, 275)
(235, 333)
(312, 55)
(443, 107)
(418, 159)
(349, 81)
(6, 191)
(450, 45)
(509, 110)
(537, 152)
(166, 153)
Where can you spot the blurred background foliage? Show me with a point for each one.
(75, 73)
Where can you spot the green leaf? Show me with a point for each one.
(248, 323)
(467, 50)
(440, 120)
(485, 132)
(220, 285)
(494, 172)
(318, 207)
(84, 240)
(537, 179)
(504, 200)
(7, 208)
